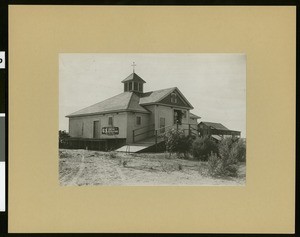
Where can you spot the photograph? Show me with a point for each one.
(143, 119)
(149, 119)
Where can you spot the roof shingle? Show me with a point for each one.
(155, 96)
(126, 101)
(218, 126)
(133, 77)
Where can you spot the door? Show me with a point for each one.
(178, 116)
(162, 124)
(96, 133)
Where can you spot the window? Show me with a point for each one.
(135, 86)
(184, 114)
(173, 98)
(162, 125)
(82, 129)
(130, 86)
(110, 121)
(125, 86)
(138, 120)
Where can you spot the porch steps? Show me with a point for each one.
(132, 148)
(139, 146)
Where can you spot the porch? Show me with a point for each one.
(148, 138)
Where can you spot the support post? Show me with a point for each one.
(156, 140)
(189, 129)
(132, 136)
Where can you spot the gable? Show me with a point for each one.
(179, 100)
(154, 96)
(164, 97)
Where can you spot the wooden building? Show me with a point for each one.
(216, 131)
(133, 116)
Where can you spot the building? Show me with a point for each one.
(133, 115)
(216, 131)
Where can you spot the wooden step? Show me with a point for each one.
(132, 148)
(139, 145)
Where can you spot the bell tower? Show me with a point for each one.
(133, 82)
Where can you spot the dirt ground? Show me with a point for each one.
(82, 167)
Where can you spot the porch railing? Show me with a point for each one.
(160, 132)
(150, 131)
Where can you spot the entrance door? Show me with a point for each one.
(96, 133)
(178, 116)
(162, 124)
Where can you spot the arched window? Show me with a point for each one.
(173, 98)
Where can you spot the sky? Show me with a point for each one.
(215, 84)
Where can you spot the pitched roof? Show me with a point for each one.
(126, 101)
(218, 126)
(194, 116)
(133, 77)
(155, 96)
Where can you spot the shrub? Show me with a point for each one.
(226, 162)
(234, 149)
(219, 166)
(225, 150)
(214, 165)
(63, 139)
(177, 142)
(240, 145)
(203, 147)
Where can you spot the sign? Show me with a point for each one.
(110, 130)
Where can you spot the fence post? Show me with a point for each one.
(132, 136)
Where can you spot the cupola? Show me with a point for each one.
(133, 83)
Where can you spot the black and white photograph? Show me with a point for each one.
(152, 119)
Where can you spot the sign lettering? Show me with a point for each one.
(110, 130)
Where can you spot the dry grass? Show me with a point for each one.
(81, 167)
